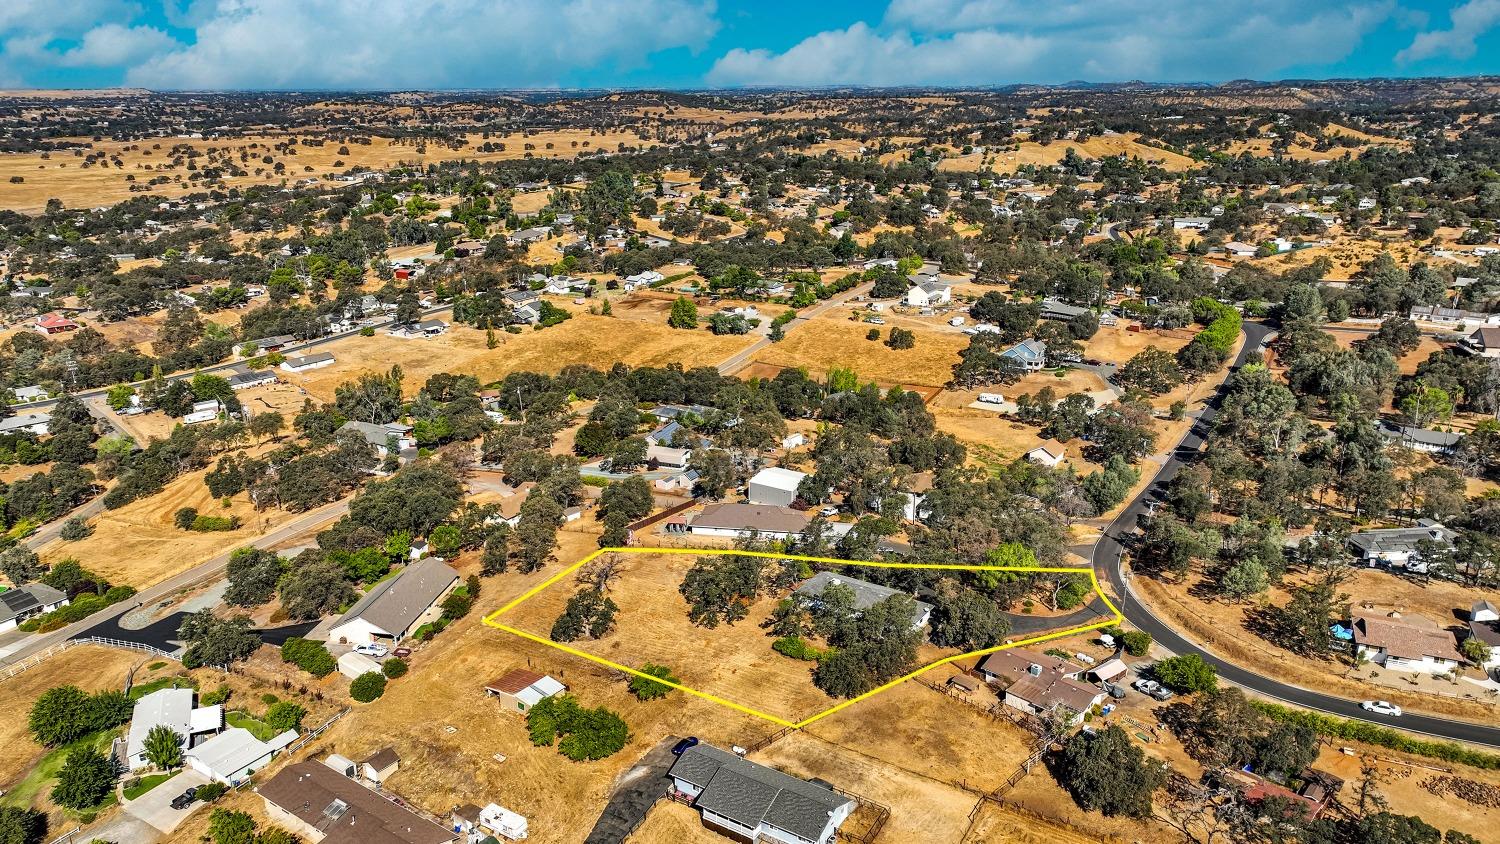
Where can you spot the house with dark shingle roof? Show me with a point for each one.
(320, 804)
(866, 594)
(1411, 643)
(750, 802)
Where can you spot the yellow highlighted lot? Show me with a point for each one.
(492, 621)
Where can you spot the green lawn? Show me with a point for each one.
(43, 775)
(257, 727)
(141, 690)
(148, 783)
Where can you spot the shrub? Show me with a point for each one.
(586, 733)
(285, 715)
(367, 686)
(211, 791)
(308, 655)
(210, 524)
(394, 667)
(1136, 642)
(796, 648)
(1187, 674)
(647, 689)
(184, 518)
(75, 529)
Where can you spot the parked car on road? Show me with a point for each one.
(1381, 707)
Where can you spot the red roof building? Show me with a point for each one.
(54, 323)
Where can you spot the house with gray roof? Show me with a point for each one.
(866, 594)
(1398, 547)
(1056, 309)
(750, 802)
(23, 602)
(1420, 439)
(393, 609)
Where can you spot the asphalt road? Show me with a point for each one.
(106, 621)
(1108, 563)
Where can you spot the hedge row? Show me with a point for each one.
(1368, 733)
(1223, 330)
(309, 655)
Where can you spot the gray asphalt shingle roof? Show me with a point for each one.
(393, 605)
(751, 794)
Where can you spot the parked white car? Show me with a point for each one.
(1381, 707)
(372, 649)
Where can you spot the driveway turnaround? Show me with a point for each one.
(155, 806)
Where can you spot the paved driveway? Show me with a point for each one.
(155, 806)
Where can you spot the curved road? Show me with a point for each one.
(1108, 563)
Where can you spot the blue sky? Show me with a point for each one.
(395, 44)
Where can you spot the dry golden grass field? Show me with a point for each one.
(734, 662)
(1036, 154)
(89, 667)
(829, 342)
(585, 338)
(61, 176)
(138, 545)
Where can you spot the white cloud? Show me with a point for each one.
(1469, 21)
(411, 44)
(112, 45)
(981, 42)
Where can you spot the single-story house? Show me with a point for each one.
(671, 458)
(306, 362)
(54, 323)
(531, 235)
(235, 754)
(519, 689)
(28, 394)
(380, 765)
(26, 423)
(677, 482)
(1039, 683)
(1398, 546)
(1046, 456)
(1453, 316)
(245, 379)
(1420, 439)
(1236, 249)
(665, 433)
(23, 602)
(1197, 224)
(926, 294)
(379, 436)
(267, 345)
(866, 594)
(733, 519)
(751, 802)
(775, 486)
(668, 412)
(1484, 342)
(318, 803)
(393, 609)
(171, 708)
(203, 411)
(1060, 311)
(1030, 354)
(1410, 643)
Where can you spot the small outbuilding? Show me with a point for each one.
(520, 689)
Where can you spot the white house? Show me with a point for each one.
(774, 486)
(28, 423)
(795, 439)
(1397, 547)
(1237, 249)
(380, 436)
(171, 708)
(1045, 456)
(235, 754)
(1197, 224)
(927, 294)
(736, 520)
(393, 609)
(1410, 643)
(750, 802)
(203, 411)
(1484, 625)
(23, 602)
(306, 362)
(671, 458)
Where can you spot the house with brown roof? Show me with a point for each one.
(1040, 684)
(1484, 342)
(734, 519)
(519, 689)
(1405, 643)
(321, 805)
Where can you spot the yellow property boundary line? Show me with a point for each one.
(490, 620)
